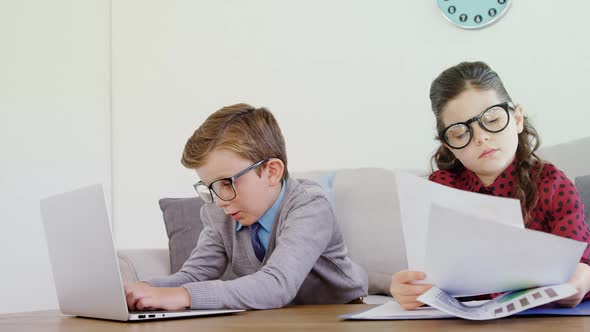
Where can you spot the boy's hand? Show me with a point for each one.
(581, 281)
(142, 296)
(404, 292)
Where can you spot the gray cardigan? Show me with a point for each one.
(306, 261)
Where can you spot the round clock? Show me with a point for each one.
(473, 14)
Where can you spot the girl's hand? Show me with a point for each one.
(142, 296)
(404, 292)
(581, 281)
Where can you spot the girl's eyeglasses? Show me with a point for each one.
(493, 119)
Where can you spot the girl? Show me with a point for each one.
(488, 146)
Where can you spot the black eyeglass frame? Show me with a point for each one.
(506, 106)
(231, 179)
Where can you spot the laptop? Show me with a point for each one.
(84, 262)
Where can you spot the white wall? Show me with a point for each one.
(347, 80)
(54, 129)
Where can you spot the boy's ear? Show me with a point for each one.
(519, 118)
(275, 169)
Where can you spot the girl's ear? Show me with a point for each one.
(445, 146)
(519, 118)
(274, 171)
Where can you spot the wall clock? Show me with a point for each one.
(473, 14)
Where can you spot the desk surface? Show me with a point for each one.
(309, 318)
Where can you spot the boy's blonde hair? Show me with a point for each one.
(252, 133)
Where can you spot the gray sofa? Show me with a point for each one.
(367, 210)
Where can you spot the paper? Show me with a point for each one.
(513, 303)
(416, 195)
(467, 255)
(393, 311)
(505, 305)
(582, 309)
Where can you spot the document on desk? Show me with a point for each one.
(443, 305)
(504, 305)
(416, 196)
(467, 255)
(393, 311)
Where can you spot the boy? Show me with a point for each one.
(279, 235)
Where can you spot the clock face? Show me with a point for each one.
(473, 14)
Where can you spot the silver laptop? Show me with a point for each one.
(84, 261)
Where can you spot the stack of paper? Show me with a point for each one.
(472, 244)
(466, 255)
(416, 197)
(505, 305)
(519, 303)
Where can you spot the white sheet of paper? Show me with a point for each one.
(467, 255)
(416, 195)
(393, 311)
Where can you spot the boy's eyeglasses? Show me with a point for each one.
(223, 188)
(493, 119)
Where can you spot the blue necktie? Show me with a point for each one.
(256, 244)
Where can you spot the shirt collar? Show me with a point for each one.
(269, 216)
(502, 186)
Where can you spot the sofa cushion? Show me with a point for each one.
(570, 157)
(583, 186)
(141, 264)
(368, 214)
(182, 218)
(324, 178)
